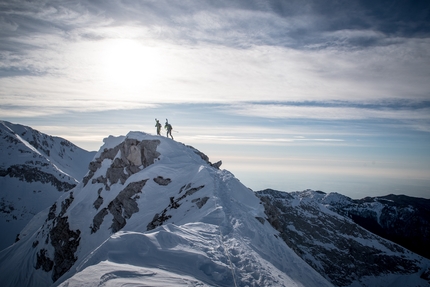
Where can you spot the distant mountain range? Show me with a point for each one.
(149, 211)
(331, 232)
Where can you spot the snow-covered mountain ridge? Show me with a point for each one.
(316, 226)
(153, 212)
(149, 211)
(35, 169)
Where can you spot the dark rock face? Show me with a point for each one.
(217, 165)
(98, 220)
(205, 157)
(52, 210)
(134, 156)
(64, 241)
(163, 216)
(158, 220)
(43, 261)
(32, 174)
(200, 201)
(162, 181)
(98, 202)
(128, 158)
(332, 244)
(122, 207)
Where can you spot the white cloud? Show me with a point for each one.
(172, 73)
(327, 113)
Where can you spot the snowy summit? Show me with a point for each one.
(153, 212)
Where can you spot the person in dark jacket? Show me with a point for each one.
(169, 128)
(158, 126)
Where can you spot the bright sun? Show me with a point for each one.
(128, 64)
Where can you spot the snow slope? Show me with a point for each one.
(35, 170)
(154, 212)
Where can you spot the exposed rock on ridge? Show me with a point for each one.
(122, 207)
(163, 216)
(127, 158)
(162, 181)
(61, 239)
(204, 157)
(133, 155)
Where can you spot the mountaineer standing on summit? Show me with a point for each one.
(158, 126)
(169, 128)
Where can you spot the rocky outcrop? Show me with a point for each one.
(33, 174)
(175, 203)
(200, 201)
(65, 243)
(205, 158)
(63, 240)
(162, 181)
(217, 165)
(98, 202)
(122, 207)
(127, 158)
(43, 260)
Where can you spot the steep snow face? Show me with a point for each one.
(154, 212)
(35, 170)
(338, 248)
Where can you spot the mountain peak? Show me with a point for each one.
(153, 211)
(158, 205)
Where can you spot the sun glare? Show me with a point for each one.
(130, 65)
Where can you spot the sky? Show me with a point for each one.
(290, 95)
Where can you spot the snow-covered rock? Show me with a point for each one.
(338, 248)
(35, 170)
(153, 212)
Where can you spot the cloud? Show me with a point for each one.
(299, 111)
(293, 24)
(202, 51)
(172, 73)
(243, 140)
(400, 115)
